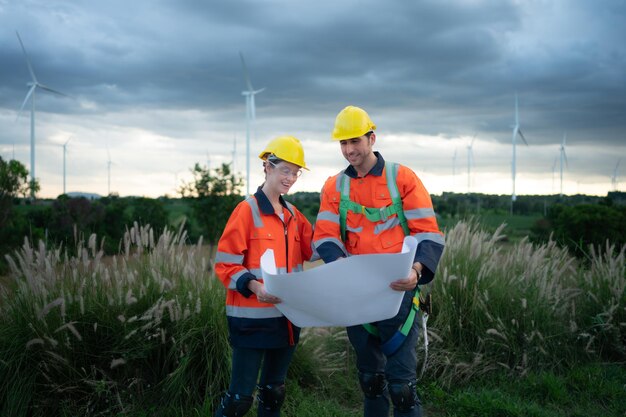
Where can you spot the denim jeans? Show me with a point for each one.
(397, 368)
(246, 363)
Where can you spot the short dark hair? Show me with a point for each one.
(274, 159)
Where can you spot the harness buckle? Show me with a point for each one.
(383, 214)
(426, 304)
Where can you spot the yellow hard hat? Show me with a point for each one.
(286, 148)
(352, 122)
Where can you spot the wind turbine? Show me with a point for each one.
(454, 169)
(516, 131)
(614, 177)
(553, 173)
(234, 152)
(563, 158)
(33, 85)
(176, 189)
(470, 161)
(64, 153)
(250, 117)
(109, 163)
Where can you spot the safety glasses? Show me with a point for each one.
(286, 172)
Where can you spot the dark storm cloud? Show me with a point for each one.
(449, 67)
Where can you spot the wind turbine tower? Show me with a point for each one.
(563, 158)
(64, 153)
(614, 182)
(516, 131)
(454, 169)
(33, 85)
(109, 163)
(250, 117)
(234, 152)
(176, 188)
(470, 162)
(553, 173)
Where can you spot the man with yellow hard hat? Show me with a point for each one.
(368, 208)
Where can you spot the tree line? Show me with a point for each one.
(211, 195)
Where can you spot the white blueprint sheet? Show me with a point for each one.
(349, 291)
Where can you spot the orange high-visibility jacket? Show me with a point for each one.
(366, 237)
(253, 228)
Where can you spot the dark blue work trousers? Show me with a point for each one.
(400, 367)
(273, 364)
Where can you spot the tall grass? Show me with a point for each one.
(144, 333)
(85, 335)
(521, 308)
(511, 308)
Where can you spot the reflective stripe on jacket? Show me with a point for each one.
(385, 236)
(253, 228)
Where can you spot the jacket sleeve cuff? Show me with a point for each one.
(428, 254)
(329, 252)
(427, 275)
(242, 284)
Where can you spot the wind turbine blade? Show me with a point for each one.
(522, 136)
(473, 139)
(51, 90)
(259, 91)
(30, 67)
(68, 140)
(565, 157)
(28, 95)
(245, 73)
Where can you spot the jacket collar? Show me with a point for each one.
(377, 170)
(264, 203)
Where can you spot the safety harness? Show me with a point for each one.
(373, 214)
(395, 341)
(382, 214)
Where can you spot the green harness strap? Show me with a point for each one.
(406, 327)
(390, 346)
(373, 214)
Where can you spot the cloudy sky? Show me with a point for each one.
(159, 84)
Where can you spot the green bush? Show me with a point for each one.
(213, 195)
(579, 226)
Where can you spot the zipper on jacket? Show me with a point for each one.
(285, 229)
(286, 247)
(292, 341)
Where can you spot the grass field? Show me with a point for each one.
(516, 226)
(517, 330)
(591, 390)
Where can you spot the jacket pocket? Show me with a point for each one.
(382, 193)
(391, 240)
(259, 241)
